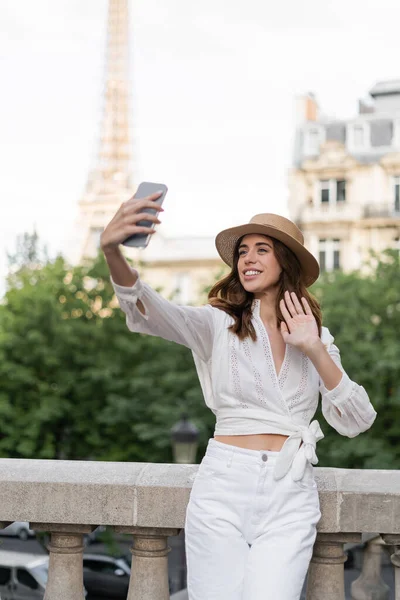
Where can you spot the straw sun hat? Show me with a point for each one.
(276, 227)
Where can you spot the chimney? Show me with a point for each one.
(306, 108)
(365, 107)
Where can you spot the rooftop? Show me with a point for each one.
(383, 88)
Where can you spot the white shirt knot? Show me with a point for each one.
(295, 455)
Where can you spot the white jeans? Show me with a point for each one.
(248, 536)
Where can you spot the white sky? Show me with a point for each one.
(213, 86)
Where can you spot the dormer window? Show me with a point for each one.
(313, 140)
(358, 138)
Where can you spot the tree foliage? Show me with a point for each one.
(76, 384)
(363, 314)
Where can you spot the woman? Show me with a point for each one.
(262, 357)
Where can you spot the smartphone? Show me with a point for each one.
(146, 188)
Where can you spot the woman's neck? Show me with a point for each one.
(268, 308)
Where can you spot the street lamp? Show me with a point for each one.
(184, 435)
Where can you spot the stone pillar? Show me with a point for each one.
(326, 572)
(394, 540)
(65, 580)
(149, 574)
(370, 585)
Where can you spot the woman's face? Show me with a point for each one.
(258, 266)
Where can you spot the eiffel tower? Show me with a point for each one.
(109, 183)
(181, 267)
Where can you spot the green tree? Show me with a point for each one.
(75, 383)
(363, 313)
(28, 253)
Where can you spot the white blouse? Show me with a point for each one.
(239, 380)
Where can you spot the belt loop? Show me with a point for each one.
(231, 454)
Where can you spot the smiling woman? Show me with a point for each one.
(262, 356)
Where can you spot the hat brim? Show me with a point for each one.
(227, 239)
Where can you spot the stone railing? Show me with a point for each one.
(148, 501)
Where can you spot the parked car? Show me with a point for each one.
(22, 575)
(182, 595)
(106, 576)
(20, 529)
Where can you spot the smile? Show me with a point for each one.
(251, 273)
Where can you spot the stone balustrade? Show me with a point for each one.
(148, 501)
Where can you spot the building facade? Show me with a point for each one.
(344, 186)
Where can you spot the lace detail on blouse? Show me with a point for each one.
(235, 373)
(256, 373)
(309, 412)
(284, 372)
(298, 397)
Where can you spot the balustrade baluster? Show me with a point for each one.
(370, 585)
(65, 581)
(149, 574)
(326, 572)
(394, 540)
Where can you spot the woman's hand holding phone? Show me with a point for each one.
(125, 221)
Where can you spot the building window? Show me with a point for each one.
(329, 254)
(181, 293)
(313, 139)
(358, 136)
(332, 191)
(340, 190)
(322, 255)
(397, 194)
(325, 187)
(336, 254)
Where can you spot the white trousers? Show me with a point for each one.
(248, 536)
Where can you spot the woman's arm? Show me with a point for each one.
(120, 270)
(345, 404)
(328, 370)
(146, 310)
(122, 225)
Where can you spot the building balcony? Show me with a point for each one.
(341, 212)
(70, 498)
(381, 211)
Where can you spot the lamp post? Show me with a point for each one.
(184, 435)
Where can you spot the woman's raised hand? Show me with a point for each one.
(124, 222)
(299, 327)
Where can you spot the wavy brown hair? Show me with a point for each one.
(229, 295)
